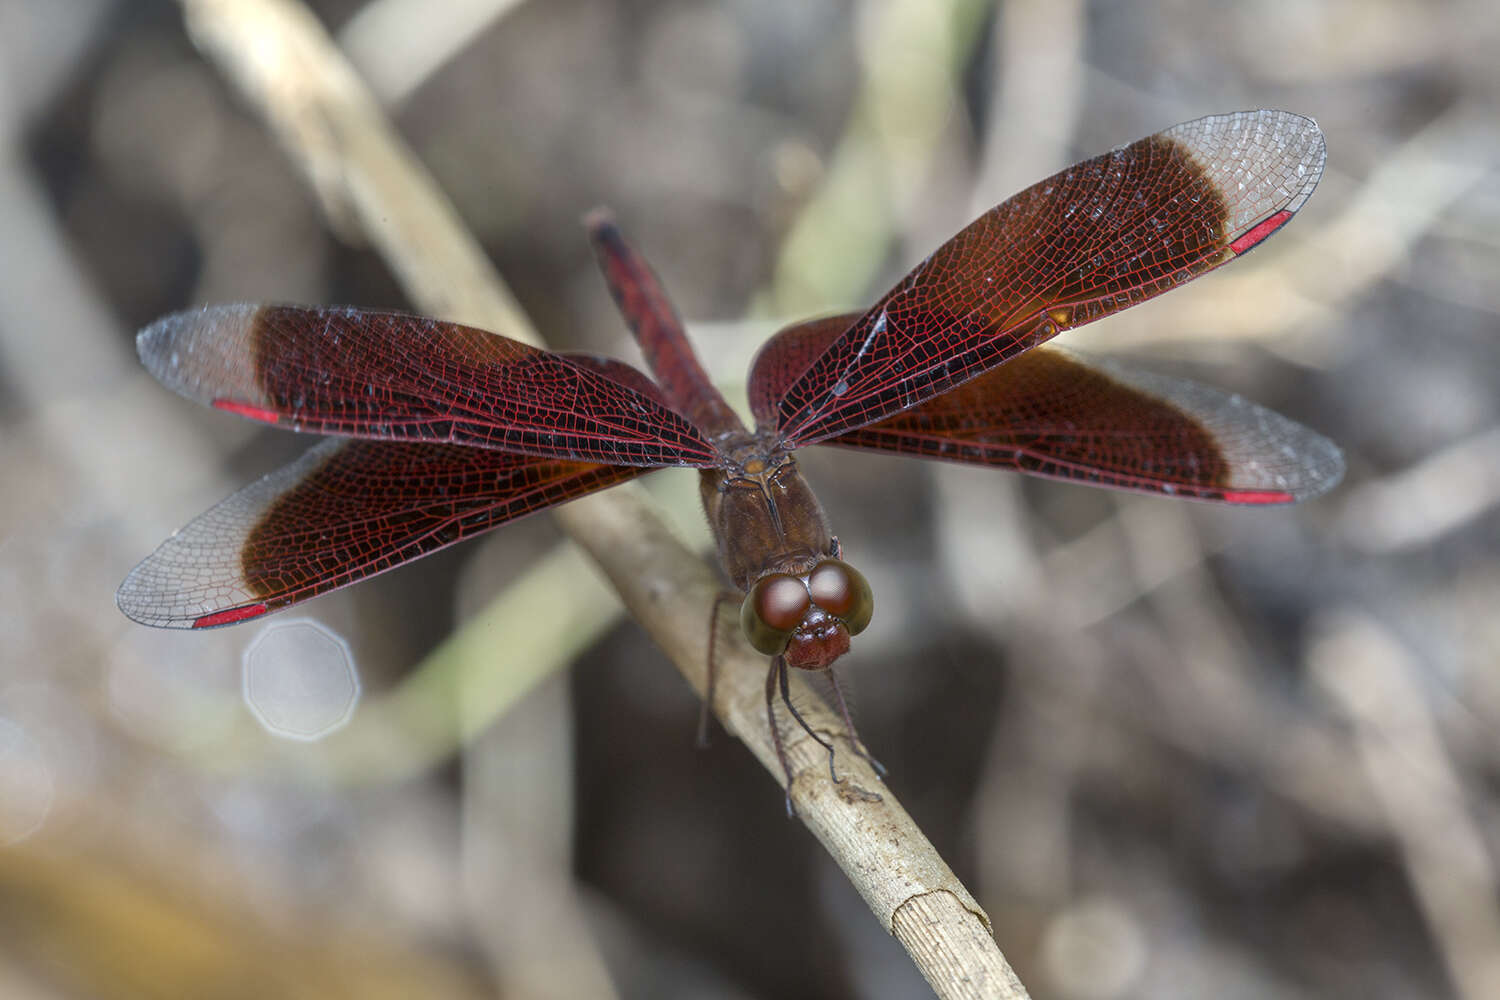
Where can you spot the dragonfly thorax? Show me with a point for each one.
(776, 545)
(765, 521)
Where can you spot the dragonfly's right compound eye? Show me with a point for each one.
(842, 591)
(772, 610)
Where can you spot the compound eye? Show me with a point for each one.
(842, 591)
(772, 610)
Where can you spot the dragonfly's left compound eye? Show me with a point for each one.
(772, 609)
(842, 591)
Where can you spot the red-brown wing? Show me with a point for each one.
(345, 511)
(392, 376)
(1102, 235)
(614, 368)
(785, 356)
(1053, 413)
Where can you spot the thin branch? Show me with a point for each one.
(1381, 689)
(285, 65)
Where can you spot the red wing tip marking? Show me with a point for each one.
(1260, 232)
(260, 413)
(230, 616)
(1258, 496)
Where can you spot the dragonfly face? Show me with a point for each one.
(776, 545)
(808, 618)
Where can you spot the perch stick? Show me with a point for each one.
(287, 68)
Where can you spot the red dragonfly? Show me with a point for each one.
(446, 431)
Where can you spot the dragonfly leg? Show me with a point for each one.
(855, 743)
(713, 667)
(825, 744)
(778, 668)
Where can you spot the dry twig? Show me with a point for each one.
(284, 63)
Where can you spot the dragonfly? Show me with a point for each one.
(441, 431)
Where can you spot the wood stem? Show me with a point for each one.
(371, 185)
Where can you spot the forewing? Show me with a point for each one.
(396, 377)
(1054, 413)
(1102, 235)
(345, 511)
(619, 371)
(787, 355)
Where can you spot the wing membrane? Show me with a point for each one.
(396, 377)
(785, 356)
(1102, 235)
(345, 511)
(1057, 414)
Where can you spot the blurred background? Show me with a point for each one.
(1173, 750)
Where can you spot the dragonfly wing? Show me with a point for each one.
(396, 377)
(1058, 414)
(345, 511)
(787, 355)
(1099, 237)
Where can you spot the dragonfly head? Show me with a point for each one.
(808, 618)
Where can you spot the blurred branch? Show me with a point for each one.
(399, 44)
(286, 66)
(457, 690)
(285, 63)
(1434, 498)
(1410, 771)
(94, 918)
(1039, 70)
(911, 52)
